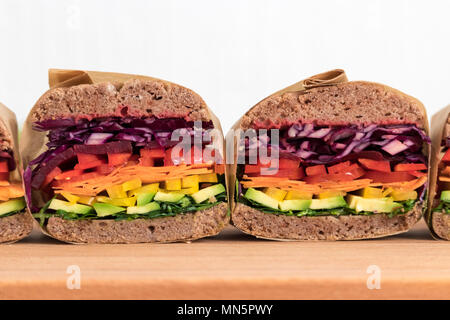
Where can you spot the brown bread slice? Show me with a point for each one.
(357, 102)
(186, 227)
(350, 102)
(441, 224)
(15, 227)
(271, 226)
(141, 98)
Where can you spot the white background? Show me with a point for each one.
(233, 53)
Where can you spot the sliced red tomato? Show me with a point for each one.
(168, 158)
(284, 163)
(316, 170)
(68, 175)
(87, 158)
(196, 155)
(219, 168)
(316, 179)
(104, 169)
(153, 153)
(4, 176)
(446, 157)
(417, 174)
(384, 177)
(82, 177)
(180, 158)
(4, 166)
(293, 174)
(89, 165)
(147, 162)
(376, 165)
(256, 168)
(410, 167)
(49, 178)
(353, 172)
(340, 167)
(446, 171)
(116, 159)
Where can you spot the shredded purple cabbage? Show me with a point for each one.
(328, 144)
(66, 137)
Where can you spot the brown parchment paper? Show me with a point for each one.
(33, 142)
(440, 129)
(8, 126)
(329, 78)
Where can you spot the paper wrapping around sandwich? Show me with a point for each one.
(8, 124)
(439, 131)
(33, 142)
(326, 79)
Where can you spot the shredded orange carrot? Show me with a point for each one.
(96, 185)
(347, 186)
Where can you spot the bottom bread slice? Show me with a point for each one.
(441, 224)
(15, 227)
(349, 227)
(182, 227)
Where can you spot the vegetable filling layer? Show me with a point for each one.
(123, 168)
(337, 170)
(11, 193)
(442, 199)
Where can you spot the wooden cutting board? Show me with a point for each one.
(230, 266)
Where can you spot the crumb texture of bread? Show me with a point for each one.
(356, 102)
(6, 140)
(135, 97)
(351, 227)
(182, 227)
(15, 227)
(441, 225)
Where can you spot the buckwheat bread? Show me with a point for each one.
(332, 100)
(19, 225)
(15, 227)
(89, 94)
(438, 222)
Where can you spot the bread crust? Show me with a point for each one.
(182, 227)
(135, 97)
(348, 227)
(356, 102)
(440, 223)
(15, 227)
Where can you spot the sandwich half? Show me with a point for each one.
(439, 200)
(15, 222)
(352, 162)
(102, 164)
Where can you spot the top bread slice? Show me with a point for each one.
(357, 102)
(135, 97)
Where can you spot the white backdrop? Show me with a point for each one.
(233, 53)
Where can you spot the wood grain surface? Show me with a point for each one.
(230, 266)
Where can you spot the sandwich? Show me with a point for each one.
(15, 222)
(115, 158)
(438, 212)
(341, 161)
